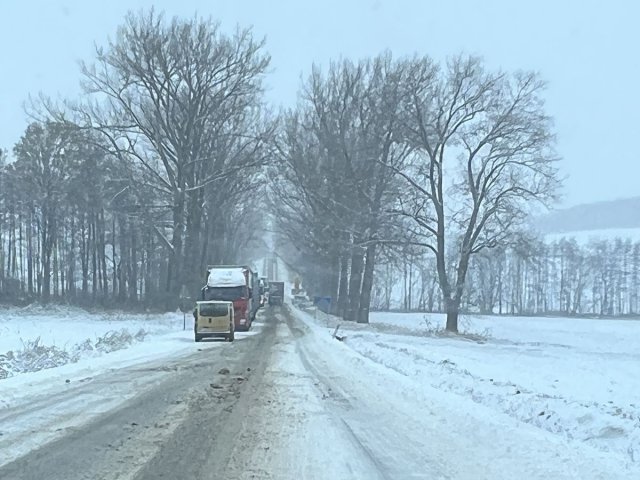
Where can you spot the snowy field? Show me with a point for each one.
(575, 378)
(65, 326)
(35, 338)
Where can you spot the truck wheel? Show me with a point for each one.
(198, 338)
(231, 337)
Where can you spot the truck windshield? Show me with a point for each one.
(214, 309)
(225, 293)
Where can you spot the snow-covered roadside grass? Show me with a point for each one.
(34, 356)
(576, 378)
(38, 338)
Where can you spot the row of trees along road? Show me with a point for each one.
(125, 193)
(382, 155)
(159, 168)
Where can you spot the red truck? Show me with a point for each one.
(233, 283)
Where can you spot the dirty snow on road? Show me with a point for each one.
(327, 411)
(291, 431)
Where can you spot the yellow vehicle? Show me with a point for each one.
(214, 318)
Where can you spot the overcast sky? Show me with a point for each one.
(586, 50)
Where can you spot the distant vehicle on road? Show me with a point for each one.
(276, 293)
(214, 318)
(237, 284)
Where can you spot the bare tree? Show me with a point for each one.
(181, 102)
(337, 150)
(44, 166)
(4, 205)
(482, 153)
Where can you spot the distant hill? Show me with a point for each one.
(614, 214)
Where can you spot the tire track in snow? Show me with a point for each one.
(377, 433)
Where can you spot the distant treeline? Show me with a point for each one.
(563, 277)
(74, 230)
(123, 195)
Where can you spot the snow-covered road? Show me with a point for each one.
(295, 403)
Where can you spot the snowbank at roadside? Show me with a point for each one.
(576, 378)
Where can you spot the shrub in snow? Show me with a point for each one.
(116, 340)
(431, 327)
(4, 367)
(34, 356)
(465, 331)
(140, 335)
(82, 347)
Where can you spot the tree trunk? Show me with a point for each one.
(355, 282)
(367, 285)
(10, 247)
(453, 303)
(21, 250)
(96, 253)
(204, 250)
(103, 257)
(56, 269)
(452, 306)
(133, 269)
(114, 264)
(149, 284)
(175, 271)
(93, 246)
(71, 271)
(30, 263)
(410, 296)
(123, 266)
(38, 257)
(47, 251)
(84, 256)
(333, 280)
(343, 287)
(192, 273)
